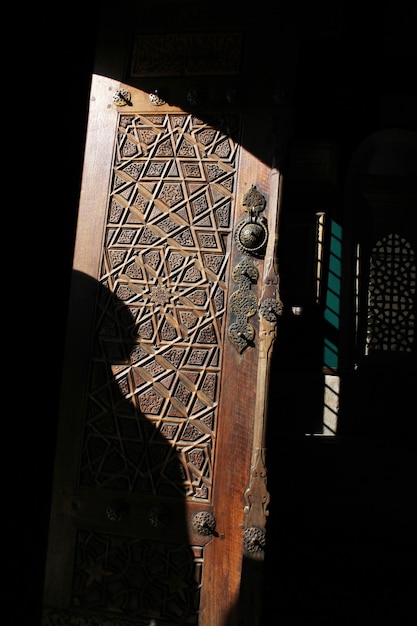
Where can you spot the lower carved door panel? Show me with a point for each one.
(159, 488)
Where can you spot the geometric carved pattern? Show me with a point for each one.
(151, 415)
(392, 296)
(134, 578)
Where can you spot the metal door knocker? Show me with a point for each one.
(251, 234)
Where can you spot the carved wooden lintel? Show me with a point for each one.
(186, 54)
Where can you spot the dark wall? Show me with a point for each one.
(58, 59)
(341, 545)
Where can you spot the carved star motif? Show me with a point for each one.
(95, 572)
(160, 294)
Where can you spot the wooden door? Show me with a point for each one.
(160, 490)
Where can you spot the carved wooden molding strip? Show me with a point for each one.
(67, 617)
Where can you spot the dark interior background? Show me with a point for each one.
(342, 524)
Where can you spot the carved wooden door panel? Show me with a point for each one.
(160, 489)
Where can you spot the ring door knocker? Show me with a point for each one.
(251, 233)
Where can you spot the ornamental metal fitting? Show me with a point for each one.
(251, 234)
(157, 98)
(253, 201)
(254, 539)
(204, 523)
(243, 304)
(270, 309)
(158, 516)
(122, 97)
(116, 511)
